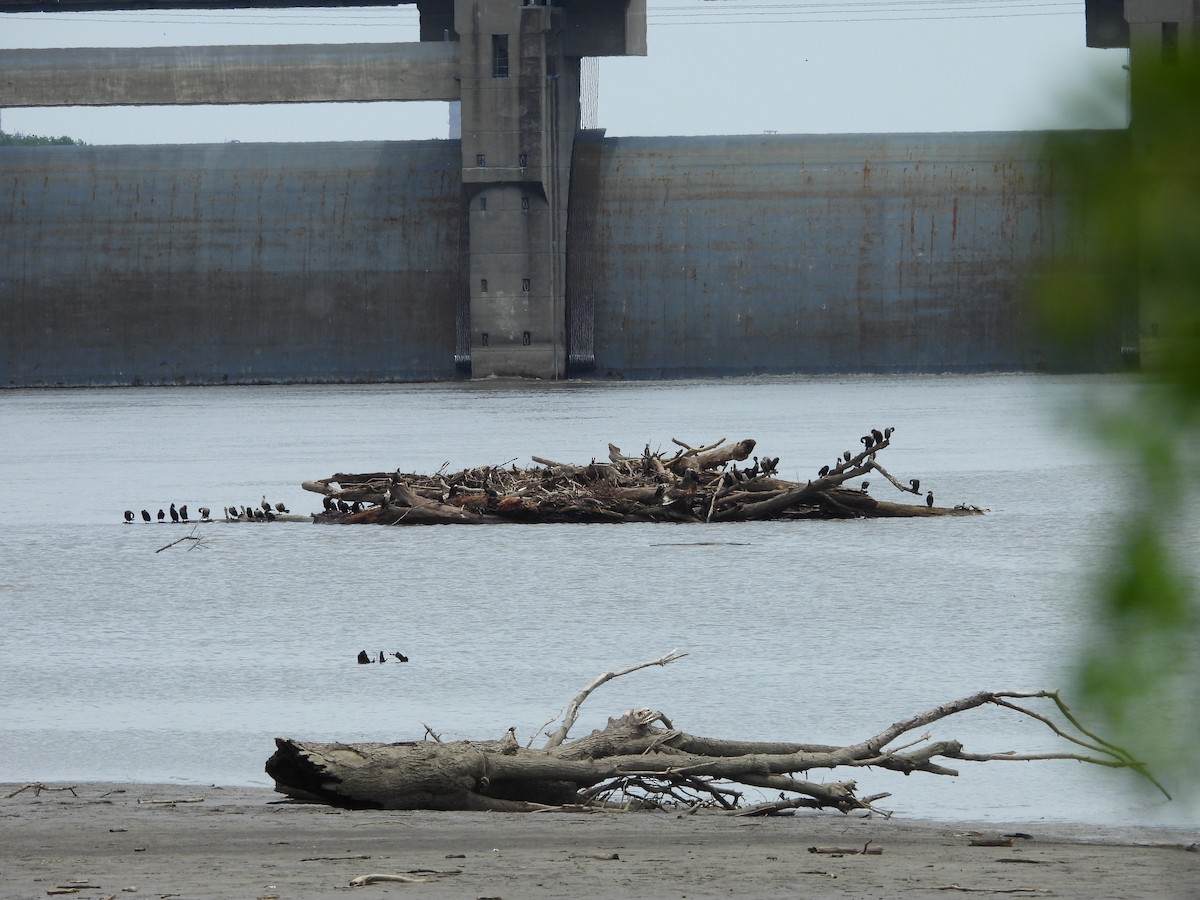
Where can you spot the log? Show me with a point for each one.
(641, 759)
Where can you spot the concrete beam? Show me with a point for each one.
(59, 6)
(168, 76)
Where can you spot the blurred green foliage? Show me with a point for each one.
(1134, 261)
(35, 140)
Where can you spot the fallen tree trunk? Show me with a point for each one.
(695, 484)
(641, 760)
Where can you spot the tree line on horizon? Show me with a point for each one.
(37, 140)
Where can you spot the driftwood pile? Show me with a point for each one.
(642, 761)
(693, 484)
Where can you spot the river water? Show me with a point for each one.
(118, 662)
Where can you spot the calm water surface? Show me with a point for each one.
(118, 662)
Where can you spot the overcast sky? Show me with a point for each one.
(714, 67)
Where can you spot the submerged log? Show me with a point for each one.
(641, 760)
(694, 484)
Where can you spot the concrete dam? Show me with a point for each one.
(339, 262)
(529, 247)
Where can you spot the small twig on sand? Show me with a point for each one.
(38, 787)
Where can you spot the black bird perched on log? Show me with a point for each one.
(363, 658)
(343, 507)
(929, 499)
(161, 515)
(356, 506)
(129, 515)
(916, 485)
(265, 505)
(382, 656)
(174, 513)
(145, 515)
(327, 502)
(877, 435)
(846, 455)
(864, 486)
(824, 470)
(887, 433)
(183, 514)
(867, 441)
(280, 507)
(270, 516)
(400, 656)
(204, 513)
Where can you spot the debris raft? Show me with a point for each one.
(692, 484)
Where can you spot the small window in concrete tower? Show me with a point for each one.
(480, 160)
(483, 203)
(524, 203)
(522, 160)
(524, 284)
(499, 55)
(483, 285)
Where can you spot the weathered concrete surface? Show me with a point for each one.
(826, 253)
(229, 263)
(688, 256)
(300, 73)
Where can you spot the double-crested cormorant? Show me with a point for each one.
(915, 484)
(343, 506)
(280, 507)
(867, 440)
(864, 486)
(183, 514)
(145, 515)
(929, 499)
(824, 470)
(161, 515)
(328, 503)
(204, 513)
(174, 513)
(887, 433)
(363, 658)
(382, 656)
(270, 516)
(129, 515)
(400, 656)
(846, 455)
(265, 505)
(877, 435)
(356, 506)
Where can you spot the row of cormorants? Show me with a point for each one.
(335, 507)
(364, 658)
(263, 512)
(177, 515)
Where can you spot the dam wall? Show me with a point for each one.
(229, 263)
(822, 253)
(339, 262)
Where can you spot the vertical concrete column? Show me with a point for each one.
(520, 111)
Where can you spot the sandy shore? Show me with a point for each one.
(122, 840)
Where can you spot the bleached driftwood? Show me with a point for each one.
(694, 484)
(640, 759)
